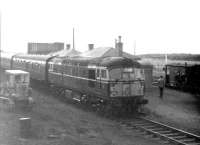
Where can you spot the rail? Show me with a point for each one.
(164, 132)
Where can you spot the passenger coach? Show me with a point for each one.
(36, 65)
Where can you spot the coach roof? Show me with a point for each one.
(33, 57)
(111, 62)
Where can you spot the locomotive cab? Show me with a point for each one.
(125, 77)
(126, 82)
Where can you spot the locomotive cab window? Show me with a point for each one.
(115, 74)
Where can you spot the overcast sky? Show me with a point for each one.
(158, 26)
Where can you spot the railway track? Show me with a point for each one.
(165, 133)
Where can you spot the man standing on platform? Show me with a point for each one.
(161, 85)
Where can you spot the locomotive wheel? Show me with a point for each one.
(83, 99)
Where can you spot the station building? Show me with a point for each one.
(118, 51)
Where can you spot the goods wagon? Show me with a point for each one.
(183, 77)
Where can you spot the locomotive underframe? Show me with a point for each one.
(105, 104)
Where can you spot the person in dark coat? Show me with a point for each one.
(161, 85)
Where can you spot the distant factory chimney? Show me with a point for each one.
(68, 47)
(91, 47)
(119, 46)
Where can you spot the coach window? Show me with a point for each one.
(55, 68)
(66, 69)
(98, 73)
(39, 67)
(27, 65)
(78, 69)
(50, 67)
(103, 74)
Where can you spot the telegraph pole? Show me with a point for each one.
(134, 47)
(73, 39)
(0, 50)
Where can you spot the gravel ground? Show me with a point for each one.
(55, 122)
(177, 109)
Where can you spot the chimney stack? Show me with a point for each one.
(119, 46)
(91, 47)
(68, 47)
(115, 43)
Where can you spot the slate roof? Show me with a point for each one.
(66, 53)
(96, 52)
(105, 52)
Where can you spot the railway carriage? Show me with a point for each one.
(36, 65)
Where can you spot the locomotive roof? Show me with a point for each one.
(110, 62)
(106, 52)
(113, 62)
(64, 60)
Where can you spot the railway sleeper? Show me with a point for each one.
(196, 143)
(172, 134)
(188, 140)
(161, 136)
(159, 129)
(141, 124)
(152, 127)
(179, 137)
(164, 132)
(139, 121)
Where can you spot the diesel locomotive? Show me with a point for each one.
(115, 82)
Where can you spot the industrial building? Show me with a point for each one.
(44, 48)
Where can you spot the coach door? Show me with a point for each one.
(91, 76)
